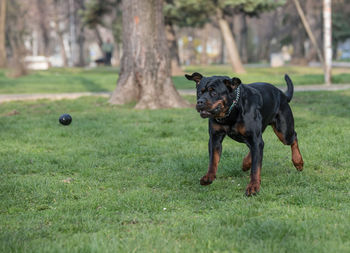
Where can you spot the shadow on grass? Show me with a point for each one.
(89, 85)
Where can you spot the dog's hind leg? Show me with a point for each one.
(283, 126)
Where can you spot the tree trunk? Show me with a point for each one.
(98, 36)
(60, 35)
(63, 50)
(18, 49)
(43, 28)
(81, 43)
(308, 29)
(314, 17)
(222, 50)
(204, 35)
(230, 44)
(3, 58)
(191, 48)
(240, 31)
(15, 34)
(327, 33)
(244, 39)
(72, 33)
(174, 51)
(145, 66)
(80, 33)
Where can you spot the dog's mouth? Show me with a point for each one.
(204, 114)
(212, 113)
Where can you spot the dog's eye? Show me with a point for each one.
(213, 93)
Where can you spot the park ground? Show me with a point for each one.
(125, 180)
(63, 80)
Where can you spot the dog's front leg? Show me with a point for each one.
(215, 147)
(256, 146)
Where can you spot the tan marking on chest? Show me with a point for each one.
(220, 128)
(240, 128)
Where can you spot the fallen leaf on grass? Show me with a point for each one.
(67, 180)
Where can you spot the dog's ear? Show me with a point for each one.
(194, 77)
(233, 83)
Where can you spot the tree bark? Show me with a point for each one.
(230, 44)
(3, 57)
(145, 66)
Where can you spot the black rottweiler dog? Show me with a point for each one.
(243, 112)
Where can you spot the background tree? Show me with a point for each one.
(182, 13)
(145, 65)
(59, 17)
(95, 16)
(16, 30)
(3, 57)
(194, 13)
(77, 28)
(229, 8)
(43, 24)
(340, 23)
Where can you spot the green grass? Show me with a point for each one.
(125, 180)
(61, 80)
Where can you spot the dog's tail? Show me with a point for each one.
(290, 88)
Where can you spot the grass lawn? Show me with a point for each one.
(60, 80)
(125, 180)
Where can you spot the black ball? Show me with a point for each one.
(65, 119)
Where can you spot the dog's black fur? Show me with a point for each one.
(243, 112)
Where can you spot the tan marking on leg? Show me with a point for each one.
(214, 164)
(247, 162)
(296, 156)
(254, 184)
(213, 167)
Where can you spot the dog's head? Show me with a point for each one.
(215, 94)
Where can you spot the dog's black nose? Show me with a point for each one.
(200, 102)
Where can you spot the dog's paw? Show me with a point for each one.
(252, 189)
(299, 164)
(207, 179)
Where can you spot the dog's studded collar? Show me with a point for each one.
(234, 103)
